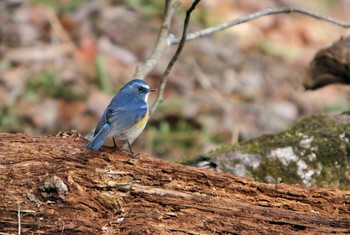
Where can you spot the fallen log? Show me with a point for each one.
(52, 185)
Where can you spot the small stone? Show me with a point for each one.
(284, 155)
(54, 187)
(306, 142)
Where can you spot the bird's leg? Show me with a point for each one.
(115, 146)
(132, 154)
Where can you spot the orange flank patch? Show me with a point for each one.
(143, 121)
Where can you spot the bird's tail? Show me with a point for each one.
(99, 138)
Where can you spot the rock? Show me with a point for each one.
(314, 152)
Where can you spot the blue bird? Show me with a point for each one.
(125, 117)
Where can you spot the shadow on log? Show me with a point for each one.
(52, 185)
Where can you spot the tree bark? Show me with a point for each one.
(52, 185)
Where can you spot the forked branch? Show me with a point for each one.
(258, 14)
(160, 96)
(164, 41)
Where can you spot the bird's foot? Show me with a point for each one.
(134, 155)
(115, 147)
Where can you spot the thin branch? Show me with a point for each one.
(258, 14)
(161, 45)
(162, 42)
(160, 96)
(19, 219)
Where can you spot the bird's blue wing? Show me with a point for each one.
(122, 119)
(122, 113)
(101, 122)
(98, 140)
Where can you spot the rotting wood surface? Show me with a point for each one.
(60, 188)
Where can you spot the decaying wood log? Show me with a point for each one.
(52, 185)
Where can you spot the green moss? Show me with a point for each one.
(277, 171)
(223, 149)
(315, 151)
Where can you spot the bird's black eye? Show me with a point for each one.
(141, 88)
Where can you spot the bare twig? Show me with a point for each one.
(258, 14)
(62, 230)
(162, 42)
(19, 219)
(160, 96)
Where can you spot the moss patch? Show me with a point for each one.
(314, 152)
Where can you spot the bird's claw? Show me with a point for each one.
(134, 155)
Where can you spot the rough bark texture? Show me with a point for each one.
(57, 187)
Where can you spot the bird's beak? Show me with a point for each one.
(152, 89)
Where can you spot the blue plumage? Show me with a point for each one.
(124, 118)
(98, 140)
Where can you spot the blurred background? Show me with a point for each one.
(62, 61)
